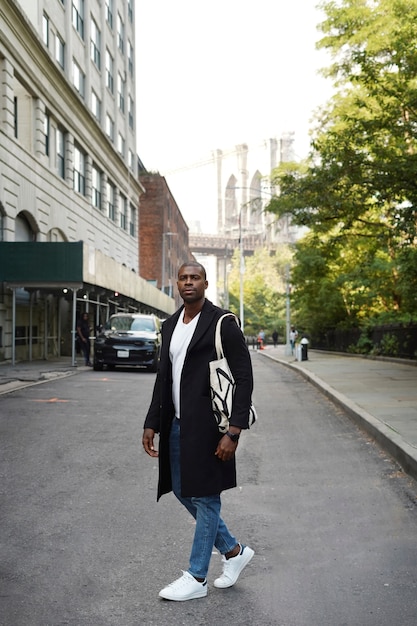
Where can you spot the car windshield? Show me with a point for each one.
(131, 323)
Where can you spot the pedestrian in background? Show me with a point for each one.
(261, 339)
(275, 338)
(293, 338)
(83, 333)
(196, 461)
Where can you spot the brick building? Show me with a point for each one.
(163, 235)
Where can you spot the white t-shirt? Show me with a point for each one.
(180, 340)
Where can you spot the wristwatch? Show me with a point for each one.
(233, 436)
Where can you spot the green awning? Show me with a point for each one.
(33, 264)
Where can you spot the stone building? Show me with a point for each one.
(69, 186)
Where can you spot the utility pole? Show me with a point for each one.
(242, 271)
(288, 310)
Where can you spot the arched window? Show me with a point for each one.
(24, 230)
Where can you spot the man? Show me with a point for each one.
(196, 461)
(83, 332)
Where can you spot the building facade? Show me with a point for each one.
(68, 170)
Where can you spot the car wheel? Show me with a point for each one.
(154, 366)
(98, 367)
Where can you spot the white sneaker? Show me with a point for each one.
(184, 588)
(233, 567)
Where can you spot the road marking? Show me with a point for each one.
(50, 400)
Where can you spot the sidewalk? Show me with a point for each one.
(379, 394)
(29, 373)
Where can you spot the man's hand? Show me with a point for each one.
(226, 448)
(147, 442)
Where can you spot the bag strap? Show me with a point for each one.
(218, 337)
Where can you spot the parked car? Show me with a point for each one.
(128, 339)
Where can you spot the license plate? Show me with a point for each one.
(123, 354)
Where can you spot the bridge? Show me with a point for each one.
(223, 245)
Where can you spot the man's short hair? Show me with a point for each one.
(194, 264)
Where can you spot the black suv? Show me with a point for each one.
(128, 339)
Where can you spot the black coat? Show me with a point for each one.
(202, 473)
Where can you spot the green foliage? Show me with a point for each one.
(389, 345)
(264, 290)
(357, 191)
(364, 344)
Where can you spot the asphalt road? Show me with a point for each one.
(332, 519)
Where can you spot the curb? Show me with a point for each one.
(389, 439)
(15, 385)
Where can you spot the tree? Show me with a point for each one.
(357, 192)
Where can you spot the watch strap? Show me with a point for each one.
(233, 436)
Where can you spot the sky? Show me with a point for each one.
(213, 74)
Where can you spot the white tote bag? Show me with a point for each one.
(222, 384)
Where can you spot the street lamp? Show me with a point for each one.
(241, 254)
(168, 234)
(242, 271)
(225, 277)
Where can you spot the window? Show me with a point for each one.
(130, 57)
(96, 187)
(24, 115)
(2, 215)
(78, 16)
(110, 200)
(123, 211)
(131, 160)
(109, 127)
(130, 10)
(132, 223)
(78, 78)
(109, 13)
(109, 71)
(95, 43)
(60, 152)
(79, 171)
(130, 108)
(15, 117)
(121, 92)
(95, 105)
(45, 30)
(60, 51)
(46, 131)
(121, 144)
(120, 34)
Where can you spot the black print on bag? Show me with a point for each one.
(222, 397)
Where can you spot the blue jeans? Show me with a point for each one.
(210, 529)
